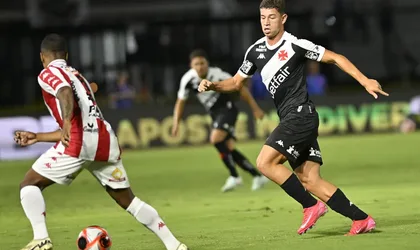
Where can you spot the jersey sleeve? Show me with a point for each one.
(51, 80)
(310, 50)
(248, 66)
(184, 91)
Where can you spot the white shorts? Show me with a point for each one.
(63, 169)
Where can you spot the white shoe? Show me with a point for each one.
(231, 183)
(44, 244)
(182, 247)
(258, 182)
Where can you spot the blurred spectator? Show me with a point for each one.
(412, 121)
(258, 89)
(123, 96)
(316, 81)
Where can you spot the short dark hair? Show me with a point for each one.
(198, 53)
(279, 5)
(54, 43)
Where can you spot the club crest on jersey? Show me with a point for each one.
(277, 80)
(283, 55)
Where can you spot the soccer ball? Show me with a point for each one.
(94, 238)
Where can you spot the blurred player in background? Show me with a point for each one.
(412, 122)
(280, 57)
(85, 141)
(224, 113)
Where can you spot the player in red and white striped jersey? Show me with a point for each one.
(85, 140)
(92, 136)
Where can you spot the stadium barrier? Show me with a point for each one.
(146, 126)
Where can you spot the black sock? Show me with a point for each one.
(227, 158)
(243, 163)
(294, 188)
(339, 203)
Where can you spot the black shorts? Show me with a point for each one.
(296, 137)
(225, 119)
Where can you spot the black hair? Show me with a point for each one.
(279, 5)
(198, 53)
(54, 43)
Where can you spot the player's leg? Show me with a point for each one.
(240, 159)
(259, 180)
(218, 139)
(270, 163)
(278, 149)
(309, 174)
(114, 178)
(50, 168)
(33, 205)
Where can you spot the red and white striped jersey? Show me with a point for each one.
(91, 138)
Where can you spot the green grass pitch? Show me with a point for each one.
(379, 173)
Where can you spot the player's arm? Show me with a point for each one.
(183, 94)
(26, 138)
(248, 98)
(232, 84)
(49, 136)
(53, 81)
(65, 98)
(371, 85)
(236, 82)
(178, 112)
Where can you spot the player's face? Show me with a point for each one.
(200, 65)
(272, 22)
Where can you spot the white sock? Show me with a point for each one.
(34, 206)
(149, 217)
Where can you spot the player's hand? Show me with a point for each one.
(65, 133)
(205, 85)
(258, 114)
(175, 129)
(374, 88)
(25, 138)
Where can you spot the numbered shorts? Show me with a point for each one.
(63, 169)
(225, 119)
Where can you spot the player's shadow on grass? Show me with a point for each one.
(334, 233)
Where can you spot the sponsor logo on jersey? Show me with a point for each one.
(95, 112)
(261, 48)
(277, 80)
(246, 67)
(90, 128)
(312, 55)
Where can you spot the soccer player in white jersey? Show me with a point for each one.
(412, 121)
(224, 113)
(85, 141)
(280, 57)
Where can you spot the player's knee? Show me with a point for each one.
(33, 180)
(123, 197)
(216, 139)
(309, 182)
(263, 164)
